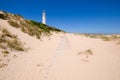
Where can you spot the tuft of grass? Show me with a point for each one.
(11, 43)
(14, 55)
(14, 24)
(2, 65)
(6, 33)
(2, 40)
(5, 52)
(89, 52)
(23, 29)
(2, 16)
(15, 45)
(86, 52)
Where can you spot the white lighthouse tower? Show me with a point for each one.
(44, 17)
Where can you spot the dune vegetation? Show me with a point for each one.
(111, 37)
(32, 28)
(8, 41)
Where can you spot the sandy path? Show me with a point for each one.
(67, 65)
(61, 48)
(58, 59)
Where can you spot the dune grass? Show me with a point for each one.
(87, 53)
(2, 16)
(33, 28)
(2, 65)
(30, 27)
(111, 37)
(10, 41)
(14, 24)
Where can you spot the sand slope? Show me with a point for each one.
(62, 57)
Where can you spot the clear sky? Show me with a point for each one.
(83, 16)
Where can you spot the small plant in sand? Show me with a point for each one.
(14, 55)
(23, 29)
(5, 52)
(2, 65)
(89, 52)
(86, 54)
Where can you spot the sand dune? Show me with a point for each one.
(63, 56)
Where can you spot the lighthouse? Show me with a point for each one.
(43, 17)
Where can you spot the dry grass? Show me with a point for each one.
(6, 33)
(2, 16)
(32, 28)
(8, 44)
(15, 45)
(10, 41)
(5, 52)
(14, 56)
(2, 65)
(86, 54)
(27, 27)
(89, 52)
(14, 24)
(111, 37)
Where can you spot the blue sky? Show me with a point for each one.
(83, 16)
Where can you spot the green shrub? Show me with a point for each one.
(43, 26)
